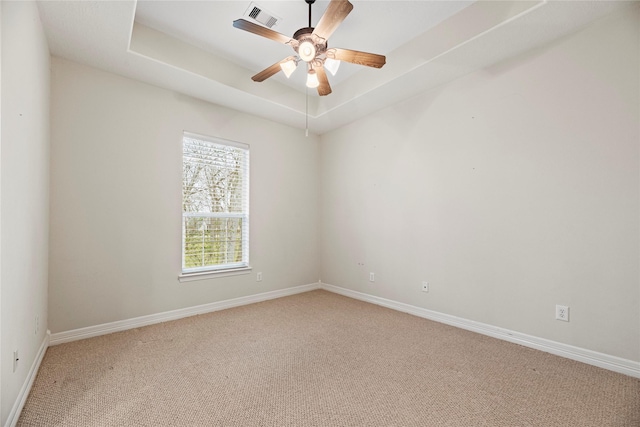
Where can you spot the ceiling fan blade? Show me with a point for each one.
(269, 71)
(357, 57)
(325, 88)
(261, 31)
(332, 18)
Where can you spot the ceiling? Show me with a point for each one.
(191, 47)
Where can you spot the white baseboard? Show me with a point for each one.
(28, 383)
(136, 322)
(601, 360)
(612, 363)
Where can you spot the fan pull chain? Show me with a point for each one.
(306, 113)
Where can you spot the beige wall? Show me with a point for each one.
(510, 190)
(116, 165)
(25, 194)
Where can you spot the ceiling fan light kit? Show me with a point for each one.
(331, 65)
(288, 67)
(310, 45)
(307, 51)
(312, 79)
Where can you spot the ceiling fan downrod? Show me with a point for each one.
(310, 2)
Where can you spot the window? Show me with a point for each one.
(215, 205)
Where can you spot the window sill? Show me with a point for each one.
(203, 275)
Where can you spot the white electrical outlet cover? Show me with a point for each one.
(562, 313)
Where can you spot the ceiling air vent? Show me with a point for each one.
(262, 16)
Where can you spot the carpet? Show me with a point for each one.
(319, 359)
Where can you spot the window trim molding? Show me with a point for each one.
(216, 140)
(213, 274)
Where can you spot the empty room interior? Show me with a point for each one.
(320, 213)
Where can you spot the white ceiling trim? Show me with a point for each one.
(474, 21)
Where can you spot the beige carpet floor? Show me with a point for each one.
(319, 359)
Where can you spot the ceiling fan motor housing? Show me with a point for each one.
(306, 35)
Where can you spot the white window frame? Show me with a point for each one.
(228, 269)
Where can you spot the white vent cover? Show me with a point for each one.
(257, 13)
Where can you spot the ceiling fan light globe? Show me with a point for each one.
(332, 65)
(312, 79)
(288, 67)
(307, 51)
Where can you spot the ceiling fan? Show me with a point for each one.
(310, 45)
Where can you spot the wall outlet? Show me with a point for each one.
(15, 360)
(372, 277)
(562, 312)
(259, 277)
(425, 286)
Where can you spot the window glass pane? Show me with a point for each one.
(212, 241)
(213, 177)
